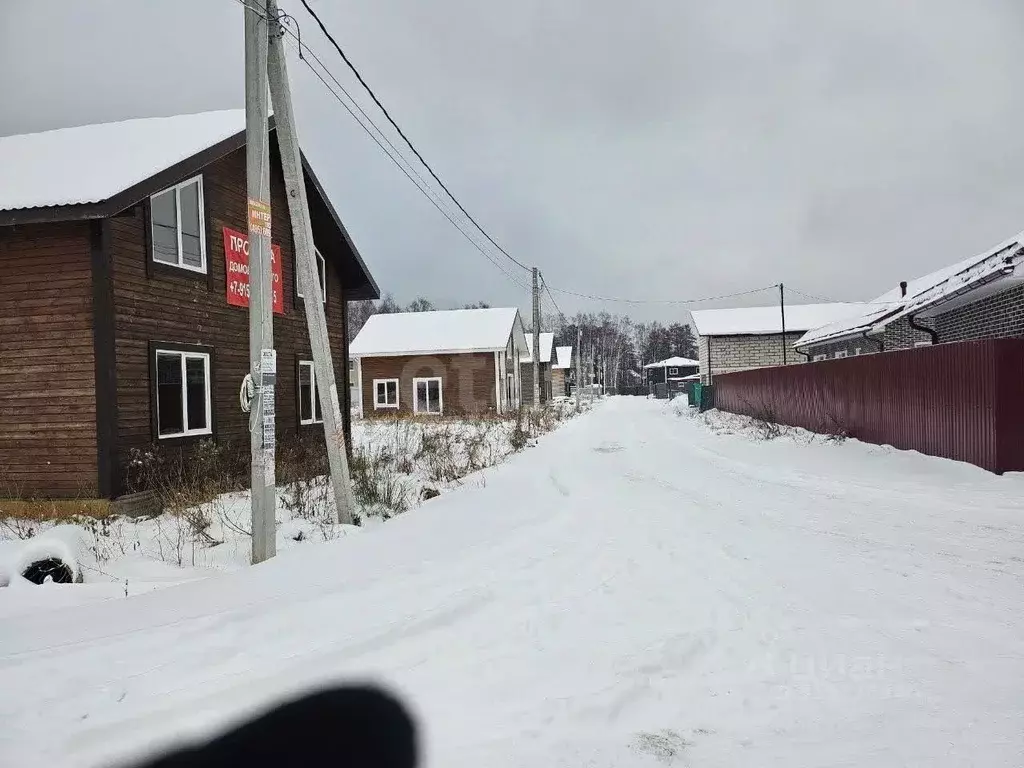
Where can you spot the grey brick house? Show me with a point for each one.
(978, 298)
(751, 337)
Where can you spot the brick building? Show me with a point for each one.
(752, 337)
(978, 298)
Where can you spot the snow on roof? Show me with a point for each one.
(673, 362)
(927, 291)
(546, 341)
(563, 357)
(456, 331)
(855, 324)
(92, 163)
(741, 321)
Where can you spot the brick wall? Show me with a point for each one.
(723, 354)
(852, 347)
(994, 317)
(899, 335)
(998, 316)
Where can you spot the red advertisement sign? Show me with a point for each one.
(236, 257)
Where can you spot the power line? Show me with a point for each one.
(544, 283)
(808, 295)
(661, 301)
(410, 172)
(359, 77)
(436, 204)
(395, 155)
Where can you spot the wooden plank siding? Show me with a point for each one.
(187, 308)
(467, 382)
(47, 369)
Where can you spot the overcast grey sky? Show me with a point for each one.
(654, 148)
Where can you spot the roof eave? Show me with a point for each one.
(426, 353)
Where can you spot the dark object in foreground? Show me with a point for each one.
(338, 727)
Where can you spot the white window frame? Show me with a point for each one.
(922, 344)
(841, 353)
(856, 350)
(440, 395)
(673, 371)
(176, 191)
(184, 355)
(321, 262)
(313, 392)
(377, 404)
(818, 358)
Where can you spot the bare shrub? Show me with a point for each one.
(440, 452)
(183, 478)
(16, 528)
(520, 436)
(836, 430)
(375, 484)
(303, 470)
(765, 420)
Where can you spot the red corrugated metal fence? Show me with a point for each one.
(961, 401)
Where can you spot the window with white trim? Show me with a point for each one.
(856, 351)
(321, 271)
(183, 406)
(309, 398)
(426, 395)
(385, 393)
(842, 353)
(816, 358)
(178, 226)
(673, 371)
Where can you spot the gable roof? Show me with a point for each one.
(96, 171)
(563, 357)
(743, 321)
(547, 339)
(455, 331)
(930, 292)
(673, 362)
(93, 163)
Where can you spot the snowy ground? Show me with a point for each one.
(402, 463)
(640, 589)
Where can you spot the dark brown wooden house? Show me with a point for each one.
(463, 361)
(123, 320)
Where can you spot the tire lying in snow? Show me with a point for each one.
(50, 568)
(52, 556)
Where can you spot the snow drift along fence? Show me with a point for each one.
(962, 401)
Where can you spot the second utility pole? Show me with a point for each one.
(536, 340)
(262, 358)
(307, 272)
(782, 308)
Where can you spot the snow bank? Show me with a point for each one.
(65, 543)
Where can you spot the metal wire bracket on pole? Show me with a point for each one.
(307, 273)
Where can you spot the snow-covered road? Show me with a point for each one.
(636, 590)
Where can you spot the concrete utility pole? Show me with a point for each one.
(782, 308)
(536, 340)
(307, 272)
(262, 356)
(579, 365)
